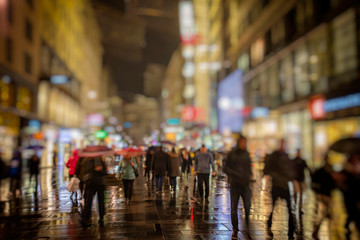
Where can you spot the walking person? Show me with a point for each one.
(160, 165)
(279, 167)
(94, 177)
(71, 164)
(148, 160)
(127, 170)
(203, 160)
(34, 168)
(15, 174)
(174, 168)
(238, 168)
(322, 184)
(186, 164)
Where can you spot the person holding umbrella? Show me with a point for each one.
(127, 168)
(93, 171)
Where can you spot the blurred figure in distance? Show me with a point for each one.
(71, 164)
(186, 163)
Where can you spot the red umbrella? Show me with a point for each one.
(131, 152)
(95, 151)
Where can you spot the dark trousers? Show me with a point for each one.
(203, 178)
(128, 188)
(235, 193)
(90, 192)
(15, 183)
(147, 174)
(173, 182)
(159, 181)
(283, 193)
(36, 178)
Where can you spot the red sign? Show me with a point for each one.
(316, 107)
(192, 114)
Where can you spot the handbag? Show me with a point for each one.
(73, 185)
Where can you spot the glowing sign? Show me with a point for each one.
(59, 79)
(341, 103)
(101, 134)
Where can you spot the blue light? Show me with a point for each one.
(59, 79)
(127, 124)
(341, 103)
(173, 121)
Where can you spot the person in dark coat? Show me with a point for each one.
(300, 166)
(186, 163)
(278, 165)
(94, 178)
(34, 168)
(174, 168)
(238, 168)
(15, 173)
(160, 165)
(322, 183)
(148, 160)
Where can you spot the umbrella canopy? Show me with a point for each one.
(349, 145)
(95, 151)
(131, 152)
(188, 142)
(166, 142)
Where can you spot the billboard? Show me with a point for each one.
(230, 102)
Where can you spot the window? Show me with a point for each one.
(302, 84)
(344, 40)
(9, 49)
(286, 76)
(30, 3)
(10, 11)
(274, 87)
(28, 29)
(28, 63)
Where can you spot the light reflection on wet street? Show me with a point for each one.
(50, 213)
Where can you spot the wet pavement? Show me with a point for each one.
(49, 213)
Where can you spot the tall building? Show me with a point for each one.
(19, 70)
(300, 61)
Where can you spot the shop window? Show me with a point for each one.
(286, 76)
(7, 93)
(24, 99)
(290, 25)
(28, 63)
(319, 65)
(344, 43)
(302, 84)
(277, 34)
(9, 49)
(28, 30)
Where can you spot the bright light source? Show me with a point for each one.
(92, 94)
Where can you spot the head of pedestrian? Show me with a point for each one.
(241, 142)
(159, 148)
(127, 157)
(298, 153)
(282, 145)
(203, 148)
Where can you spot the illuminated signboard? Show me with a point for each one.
(127, 124)
(59, 79)
(101, 134)
(341, 103)
(173, 121)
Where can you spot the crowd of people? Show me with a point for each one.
(287, 180)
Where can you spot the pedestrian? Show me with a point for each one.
(34, 168)
(348, 181)
(278, 165)
(203, 160)
(71, 164)
(186, 164)
(238, 168)
(79, 173)
(4, 170)
(127, 168)
(299, 165)
(174, 168)
(322, 183)
(160, 165)
(94, 178)
(15, 174)
(148, 160)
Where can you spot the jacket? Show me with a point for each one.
(238, 167)
(34, 163)
(299, 168)
(71, 163)
(174, 165)
(279, 166)
(203, 162)
(92, 171)
(127, 171)
(160, 163)
(186, 163)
